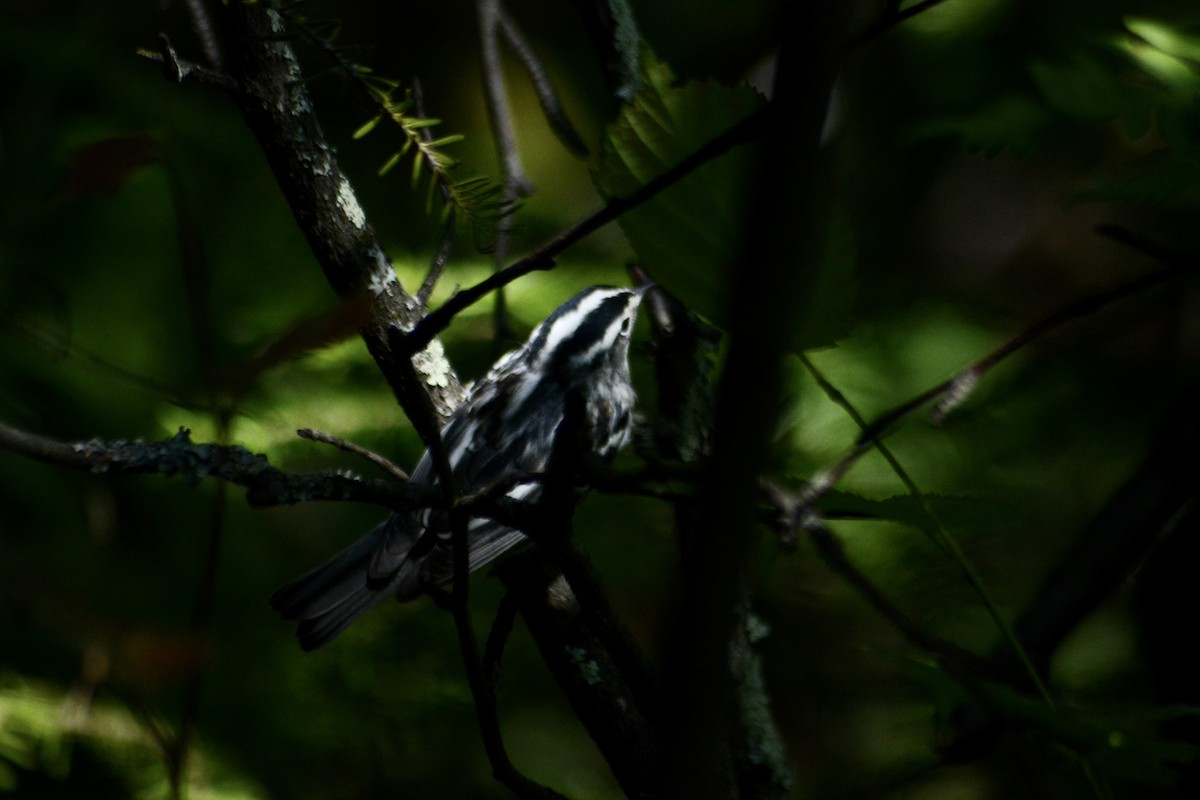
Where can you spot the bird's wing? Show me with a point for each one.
(481, 454)
(487, 540)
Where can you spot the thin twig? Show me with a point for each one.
(501, 630)
(67, 349)
(194, 265)
(1147, 247)
(552, 107)
(178, 69)
(950, 393)
(496, 100)
(514, 184)
(179, 754)
(437, 267)
(43, 448)
(202, 25)
(354, 449)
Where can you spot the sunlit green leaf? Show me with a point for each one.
(1166, 38)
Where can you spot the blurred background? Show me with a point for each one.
(971, 153)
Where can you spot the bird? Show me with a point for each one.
(502, 432)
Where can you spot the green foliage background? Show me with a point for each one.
(971, 153)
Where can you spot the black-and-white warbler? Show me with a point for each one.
(504, 429)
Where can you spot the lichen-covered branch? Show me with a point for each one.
(180, 457)
(278, 111)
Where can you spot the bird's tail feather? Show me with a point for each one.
(327, 599)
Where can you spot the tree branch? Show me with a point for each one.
(179, 70)
(280, 114)
(178, 456)
(587, 673)
(354, 449)
(496, 100)
(202, 25)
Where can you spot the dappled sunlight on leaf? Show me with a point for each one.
(1171, 57)
(878, 367)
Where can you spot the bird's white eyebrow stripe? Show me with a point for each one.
(562, 327)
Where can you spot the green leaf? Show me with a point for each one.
(691, 233)
(1168, 57)
(1162, 36)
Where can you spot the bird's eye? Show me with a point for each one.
(625, 323)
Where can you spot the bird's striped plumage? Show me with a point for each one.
(503, 430)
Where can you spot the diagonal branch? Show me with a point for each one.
(552, 107)
(350, 447)
(280, 114)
